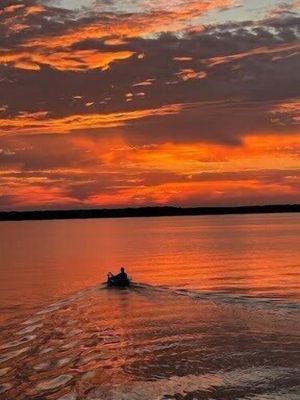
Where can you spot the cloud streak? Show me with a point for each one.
(148, 102)
(39, 122)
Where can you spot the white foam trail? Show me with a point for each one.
(64, 361)
(54, 383)
(29, 329)
(15, 343)
(181, 385)
(44, 366)
(4, 387)
(68, 396)
(12, 354)
(216, 297)
(4, 371)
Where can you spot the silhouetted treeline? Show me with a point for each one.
(144, 212)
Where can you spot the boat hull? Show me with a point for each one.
(118, 282)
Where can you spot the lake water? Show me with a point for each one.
(213, 314)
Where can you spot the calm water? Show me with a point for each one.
(214, 313)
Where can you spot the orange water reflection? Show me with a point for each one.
(148, 343)
(254, 255)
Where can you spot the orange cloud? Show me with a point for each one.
(17, 16)
(37, 9)
(40, 50)
(139, 170)
(257, 152)
(16, 28)
(187, 74)
(211, 62)
(171, 18)
(207, 193)
(63, 61)
(12, 8)
(197, 173)
(27, 194)
(147, 82)
(40, 122)
(286, 113)
(182, 58)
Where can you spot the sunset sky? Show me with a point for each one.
(116, 103)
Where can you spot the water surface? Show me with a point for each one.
(214, 313)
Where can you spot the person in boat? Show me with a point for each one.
(121, 276)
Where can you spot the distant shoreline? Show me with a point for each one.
(167, 211)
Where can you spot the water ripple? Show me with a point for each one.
(54, 383)
(147, 343)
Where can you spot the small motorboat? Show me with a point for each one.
(117, 281)
(111, 281)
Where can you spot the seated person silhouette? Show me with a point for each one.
(121, 278)
(121, 275)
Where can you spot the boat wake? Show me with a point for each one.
(152, 342)
(269, 303)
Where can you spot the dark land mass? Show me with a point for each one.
(144, 212)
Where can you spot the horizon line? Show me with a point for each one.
(144, 211)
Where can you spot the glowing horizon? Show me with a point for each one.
(117, 104)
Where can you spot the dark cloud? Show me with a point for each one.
(226, 82)
(46, 153)
(79, 189)
(257, 77)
